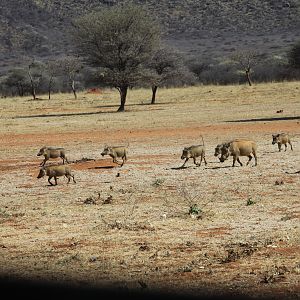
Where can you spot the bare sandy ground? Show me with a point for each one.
(130, 227)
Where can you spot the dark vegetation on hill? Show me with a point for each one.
(206, 32)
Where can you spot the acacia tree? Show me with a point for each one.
(246, 59)
(166, 65)
(119, 41)
(17, 79)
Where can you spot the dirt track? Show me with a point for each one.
(68, 233)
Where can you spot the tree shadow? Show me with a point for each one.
(64, 114)
(265, 119)
(133, 104)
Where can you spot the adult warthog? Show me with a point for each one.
(51, 152)
(194, 152)
(239, 148)
(281, 139)
(116, 152)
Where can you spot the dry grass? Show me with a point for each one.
(136, 226)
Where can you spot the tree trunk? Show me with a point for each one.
(22, 90)
(73, 89)
(154, 89)
(123, 94)
(32, 85)
(49, 87)
(19, 89)
(248, 76)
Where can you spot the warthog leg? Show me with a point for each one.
(238, 159)
(250, 157)
(69, 178)
(65, 160)
(49, 180)
(279, 146)
(235, 158)
(291, 145)
(197, 164)
(184, 162)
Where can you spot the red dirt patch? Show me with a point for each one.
(236, 129)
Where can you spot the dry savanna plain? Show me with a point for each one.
(151, 225)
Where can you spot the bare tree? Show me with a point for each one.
(246, 60)
(118, 40)
(70, 66)
(52, 69)
(34, 71)
(166, 66)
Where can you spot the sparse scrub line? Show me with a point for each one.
(235, 148)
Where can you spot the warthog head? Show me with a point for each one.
(42, 173)
(106, 151)
(225, 153)
(185, 153)
(218, 150)
(42, 151)
(275, 138)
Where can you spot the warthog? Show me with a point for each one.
(238, 148)
(56, 171)
(50, 152)
(115, 152)
(281, 139)
(219, 146)
(194, 152)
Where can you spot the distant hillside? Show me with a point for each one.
(205, 29)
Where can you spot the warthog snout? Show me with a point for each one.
(41, 152)
(184, 154)
(221, 159)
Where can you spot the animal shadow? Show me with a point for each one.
(103, 167)
(223, 167)
(181, 168)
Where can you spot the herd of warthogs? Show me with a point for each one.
(234, 148)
